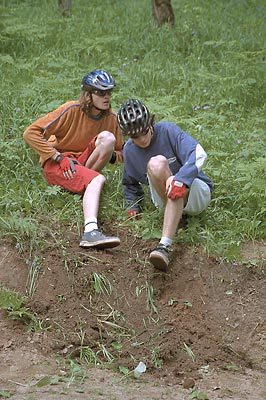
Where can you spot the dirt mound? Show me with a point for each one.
(113, 306)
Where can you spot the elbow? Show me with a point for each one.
(26, 136)
(204, 157)
(201, 157)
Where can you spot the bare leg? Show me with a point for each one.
(172, 215)
(159, 172)
(91, 198)
(91, 201)
(104, 147)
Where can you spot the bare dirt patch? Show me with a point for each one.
(200, 329)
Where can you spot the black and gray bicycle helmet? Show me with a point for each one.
(133, 117)
(99, 80)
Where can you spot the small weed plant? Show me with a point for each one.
(13, 303)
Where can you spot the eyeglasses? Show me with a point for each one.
(102, 93)
(143, 133)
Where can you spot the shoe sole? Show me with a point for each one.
(158, 261)
(101, 244)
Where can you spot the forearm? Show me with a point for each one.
(119, 158)
(39, 144)
(132, 199)
(192, 166)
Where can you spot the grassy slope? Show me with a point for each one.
(206, 75)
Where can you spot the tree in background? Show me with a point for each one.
(162, 11)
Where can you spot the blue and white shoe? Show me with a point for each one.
(97, 239)
(159, 257)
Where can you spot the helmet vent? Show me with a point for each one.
(133, 117)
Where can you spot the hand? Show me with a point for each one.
(133, 214)
(66, 164)
(176, 190)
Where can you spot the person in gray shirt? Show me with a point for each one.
(170, 161)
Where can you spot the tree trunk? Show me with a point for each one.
(64, 6)
(162, 11)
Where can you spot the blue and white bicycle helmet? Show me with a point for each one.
(99, 80)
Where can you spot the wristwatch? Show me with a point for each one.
(59, 158)
(113, 158)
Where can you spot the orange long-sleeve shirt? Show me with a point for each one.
(69, 130)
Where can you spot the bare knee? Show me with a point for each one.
(157, 165)
(105, 141)
(97, 182)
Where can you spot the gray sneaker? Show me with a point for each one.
(159, 257)
(97, 239)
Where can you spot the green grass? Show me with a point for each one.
(207, 75)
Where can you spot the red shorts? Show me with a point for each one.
(82, 177)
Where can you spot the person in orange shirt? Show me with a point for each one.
(75, 142)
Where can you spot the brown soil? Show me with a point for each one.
(200, 329)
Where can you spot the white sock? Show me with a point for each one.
(90, 224)
(166, 241)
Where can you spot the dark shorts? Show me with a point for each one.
(82, 177)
